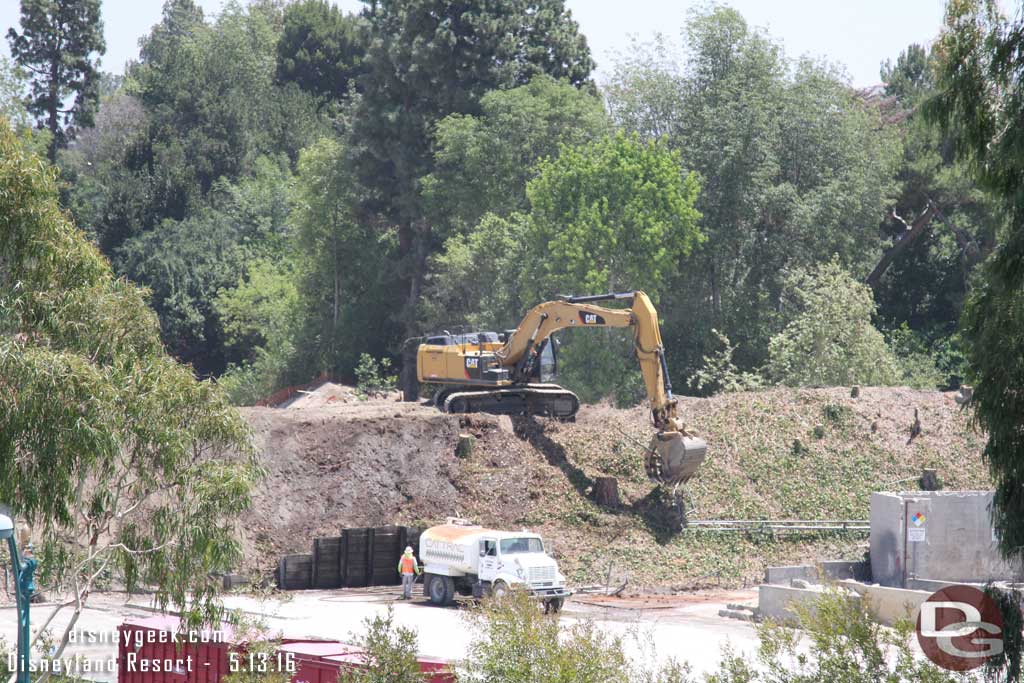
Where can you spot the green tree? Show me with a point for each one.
(795, 167)
(57, 44)
(181, 188)
(427, 59)
(610, 216)
(321, 49)
(106, 442)
(829, 338)
(978, 104)
(13, 87)
(483, 162)
(187, 263)
(927, 281)
(614, 215)
(347, 282)
(495, 252)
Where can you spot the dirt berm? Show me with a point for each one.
(776, 454)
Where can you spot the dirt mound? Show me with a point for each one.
(330, 393)
(776, 454)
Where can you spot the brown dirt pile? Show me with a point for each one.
(774, 454)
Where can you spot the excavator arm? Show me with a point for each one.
(522, 350)
(674, 454)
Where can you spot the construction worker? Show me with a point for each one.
(409, 569)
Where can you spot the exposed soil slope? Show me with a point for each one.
(777, 454)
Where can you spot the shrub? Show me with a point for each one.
(517, 643)
(372, 378)
(829, 339)
(841, 642)
(719, 374)
(390, 650)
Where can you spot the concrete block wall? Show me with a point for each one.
(935, 535)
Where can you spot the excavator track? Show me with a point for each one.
(549, 400)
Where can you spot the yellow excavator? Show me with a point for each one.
(512, 373)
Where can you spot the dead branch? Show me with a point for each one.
(903, 241)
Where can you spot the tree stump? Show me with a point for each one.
(464, 448)
(930, 480)
(606, 492)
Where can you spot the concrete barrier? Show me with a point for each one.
(781, 603)
(887, 603)
(782, 576)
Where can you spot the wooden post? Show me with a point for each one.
(343, 558)
(606, 492)
(315, 570)
(370, 534)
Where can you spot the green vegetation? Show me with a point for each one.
(517, 643)
(828, 339)
(57, 44)
(978, 104)
(391, 652)
(324, 205)
(372, 376)
(91, 396)
(843, 642)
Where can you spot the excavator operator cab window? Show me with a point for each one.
(548, 361)
(439, 341)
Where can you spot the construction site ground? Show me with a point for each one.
(335, 460)
(685, 628)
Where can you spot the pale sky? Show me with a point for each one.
(859, 34)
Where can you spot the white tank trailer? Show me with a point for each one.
(461, 557)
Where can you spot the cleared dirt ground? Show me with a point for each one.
(776, 454)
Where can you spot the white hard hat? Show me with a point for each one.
(408, 549)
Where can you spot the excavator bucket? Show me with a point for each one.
(673, 457)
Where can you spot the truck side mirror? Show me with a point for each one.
(483, 552)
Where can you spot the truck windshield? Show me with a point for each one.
(513, 546)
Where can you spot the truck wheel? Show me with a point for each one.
(499, 589)
(442, 590)
(553, 605)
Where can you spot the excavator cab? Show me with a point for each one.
(546, 369)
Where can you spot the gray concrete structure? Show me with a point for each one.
(827, 570)
(935, 535)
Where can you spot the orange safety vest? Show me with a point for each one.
(407, 565)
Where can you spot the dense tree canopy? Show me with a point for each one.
(320, 49)
(427, 59)
(357, 177)
(795, 169)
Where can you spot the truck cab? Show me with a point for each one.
(471, 560)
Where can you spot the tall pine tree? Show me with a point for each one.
(60, 44)
(427, 59)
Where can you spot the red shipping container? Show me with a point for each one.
(148, 653)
